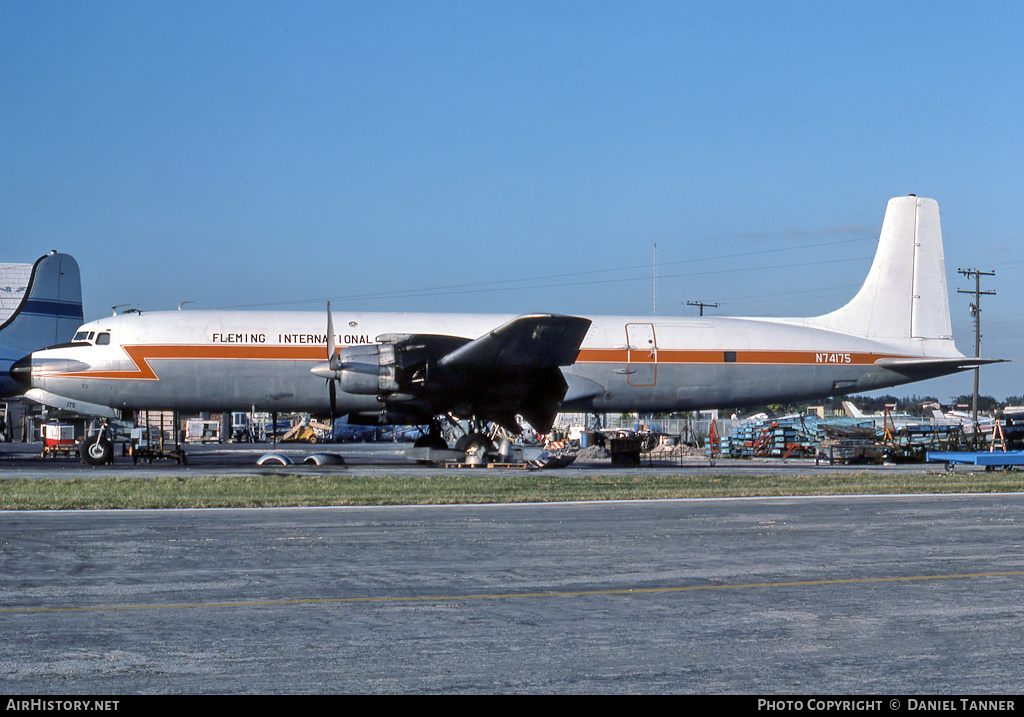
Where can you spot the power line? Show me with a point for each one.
(480, 288)
(529, 283)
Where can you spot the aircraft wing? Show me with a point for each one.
(512, 370)
(527, 342)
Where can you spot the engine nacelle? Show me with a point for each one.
(368, 369)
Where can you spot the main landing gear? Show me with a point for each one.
(443, 429)
(97, 449)
(477, 445)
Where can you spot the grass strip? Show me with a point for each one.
(288, 489)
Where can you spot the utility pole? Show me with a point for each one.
(701, 304)
(976, 313)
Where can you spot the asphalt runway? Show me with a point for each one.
(908, 595)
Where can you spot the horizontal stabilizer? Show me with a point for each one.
(527, 342)
(921, 368)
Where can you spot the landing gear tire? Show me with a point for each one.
(472, 442)
(430, 441)
(97, 451)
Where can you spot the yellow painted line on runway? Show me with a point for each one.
(517, 595)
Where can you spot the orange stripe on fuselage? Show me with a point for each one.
(716, 356)
(140, 356)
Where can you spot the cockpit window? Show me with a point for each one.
(101, 339)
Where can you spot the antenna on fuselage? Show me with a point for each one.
(115, 308)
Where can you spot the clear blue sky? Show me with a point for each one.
(513, 156)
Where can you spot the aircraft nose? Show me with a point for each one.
(29, 369)
(21, 371)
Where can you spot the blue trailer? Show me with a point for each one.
(990, 459)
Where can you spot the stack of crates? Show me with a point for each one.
(771, 438)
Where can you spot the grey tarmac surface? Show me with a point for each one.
(907, 595)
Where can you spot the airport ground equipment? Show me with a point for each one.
(156, 436)
(59, 440)
(991, 460)
(308, 432)
(202, 430)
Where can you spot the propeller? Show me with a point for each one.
(332, 353)
(336, 371)
(332, 363)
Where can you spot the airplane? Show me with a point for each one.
(418, 368)
(853, 411)
(965, 420)
(49, 313)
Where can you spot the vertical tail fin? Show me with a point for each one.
(51, 309)
(904, 298)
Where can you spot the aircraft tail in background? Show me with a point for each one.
(49, 314)
(51, 309)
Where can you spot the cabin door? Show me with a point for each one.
(641, 355)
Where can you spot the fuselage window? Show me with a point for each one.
(103, 339)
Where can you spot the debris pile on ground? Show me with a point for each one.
(592, 453)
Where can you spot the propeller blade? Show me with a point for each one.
(332, 354)
(332, 364)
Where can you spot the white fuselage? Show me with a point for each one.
(896, 329)
(214, 361)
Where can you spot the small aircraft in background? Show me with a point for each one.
(964, 419)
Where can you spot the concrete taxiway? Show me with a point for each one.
(896, 595)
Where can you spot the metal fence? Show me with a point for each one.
(693, 431)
